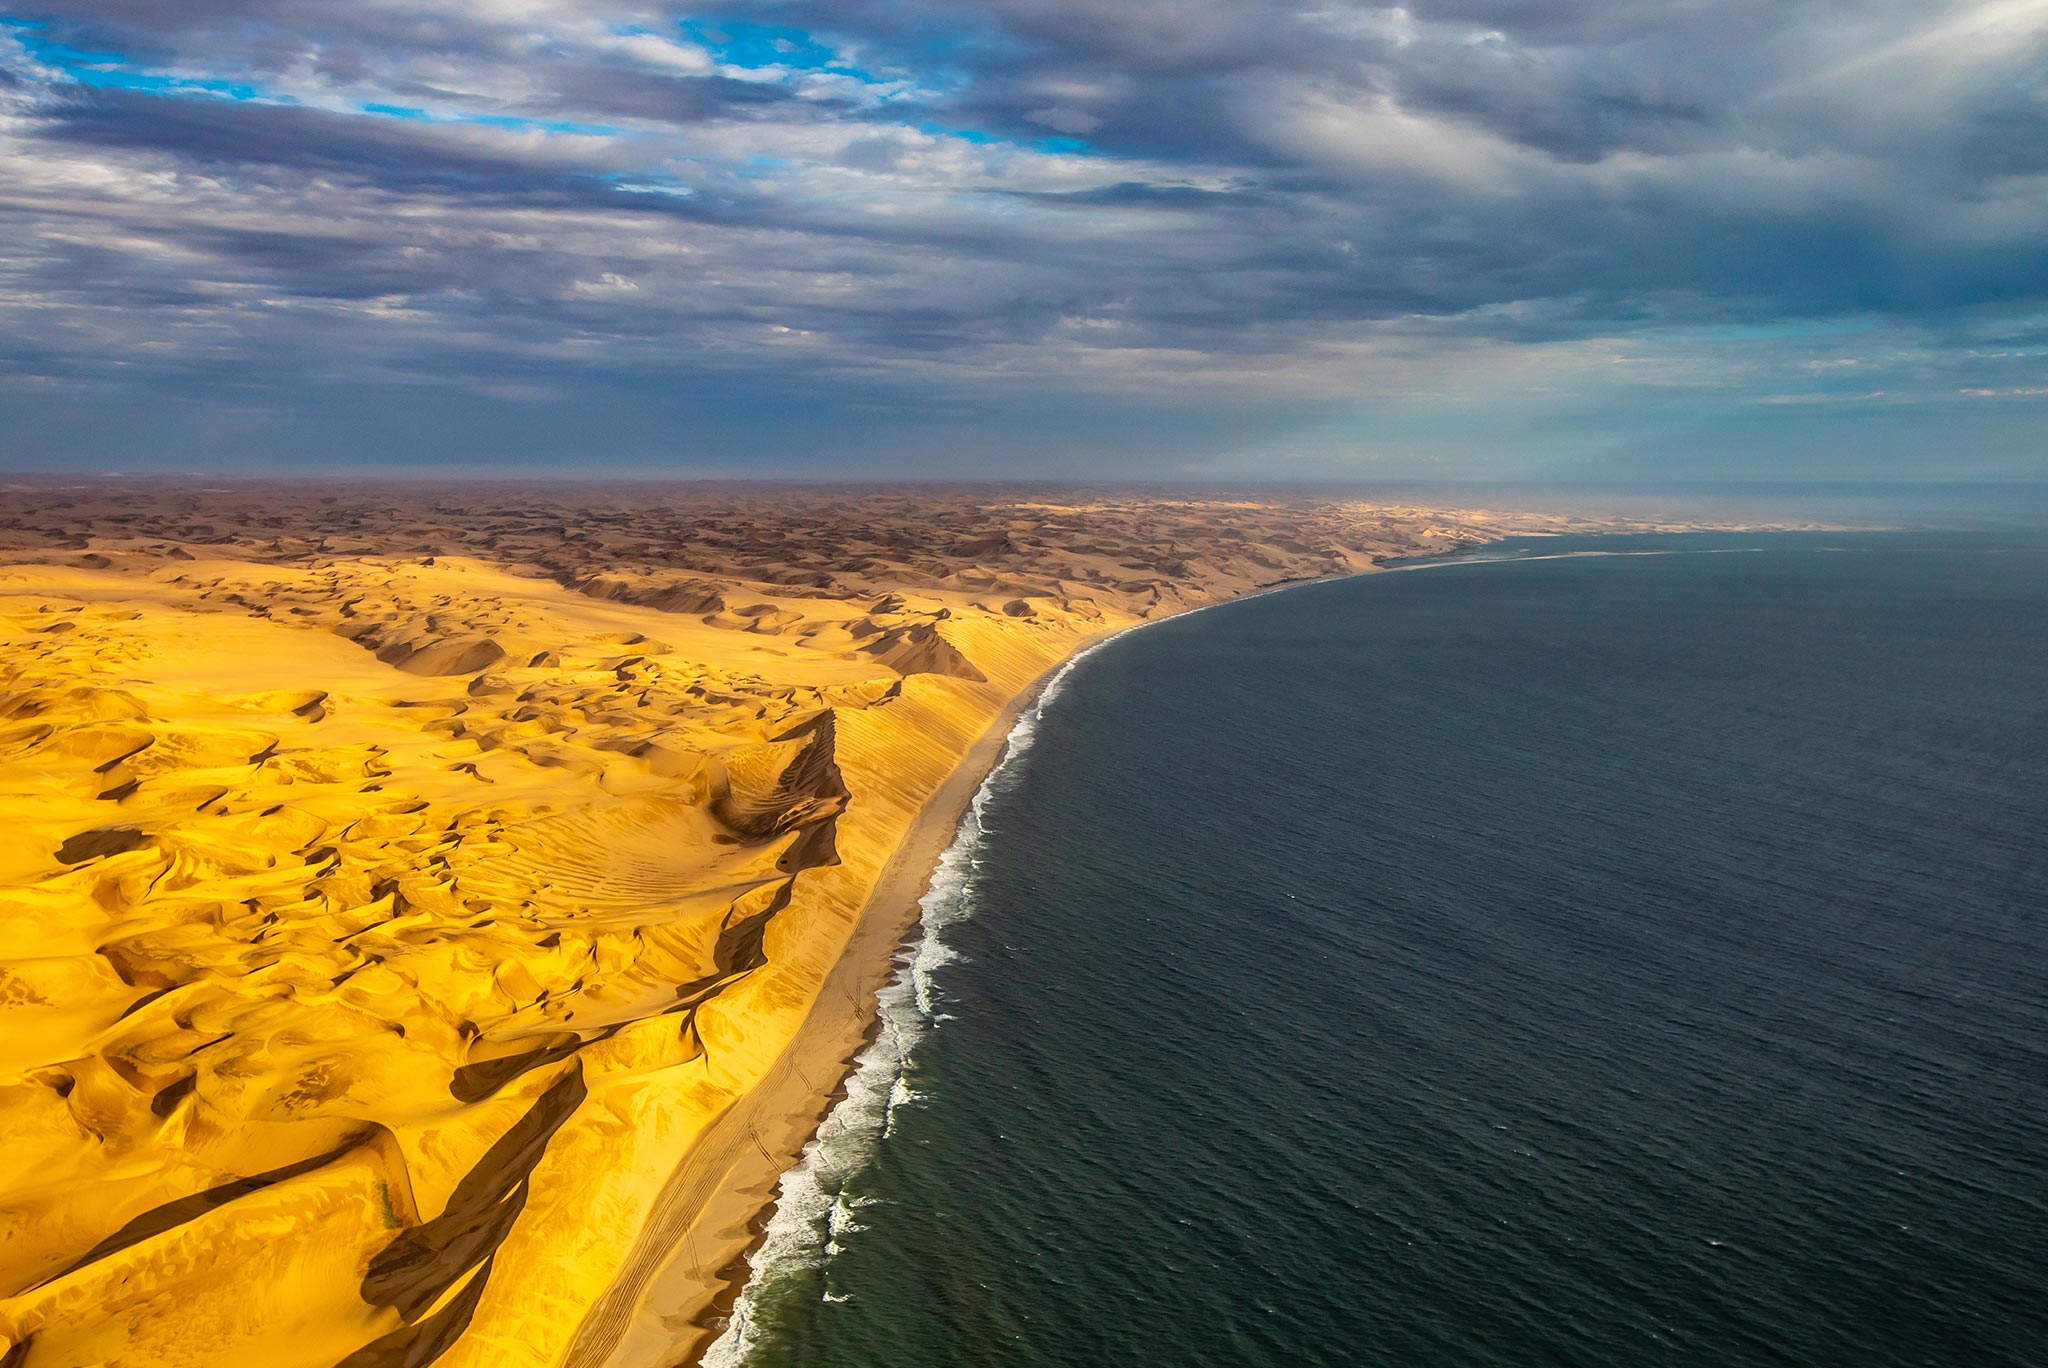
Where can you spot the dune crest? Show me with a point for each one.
(412, 895)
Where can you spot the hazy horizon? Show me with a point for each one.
(1849, 503)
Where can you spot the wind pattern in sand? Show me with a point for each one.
(421, 900)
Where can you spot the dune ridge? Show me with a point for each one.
(435, 915)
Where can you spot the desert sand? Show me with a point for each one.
(434, 916)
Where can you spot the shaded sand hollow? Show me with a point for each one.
(434, 916)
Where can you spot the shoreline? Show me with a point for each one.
(1025, 1188)
(725, 1170)
(739, 1200)
(638, 739)
(727, 1185)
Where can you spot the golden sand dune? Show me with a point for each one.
(433, 916)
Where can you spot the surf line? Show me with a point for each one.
(813, 1209)
(1460, 558)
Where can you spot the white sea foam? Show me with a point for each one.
(1482, 558)
(812, 1213)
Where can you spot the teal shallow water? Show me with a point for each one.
(1601, 960)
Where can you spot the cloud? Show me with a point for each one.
(1063, 120)
(1242, 204)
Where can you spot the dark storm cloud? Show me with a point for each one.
(1127, 202)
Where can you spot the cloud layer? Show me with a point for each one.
(1180, 236)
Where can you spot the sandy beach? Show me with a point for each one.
(439, 915)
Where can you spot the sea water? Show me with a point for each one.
(1614, 951)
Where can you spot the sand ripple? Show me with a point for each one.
(400, 886)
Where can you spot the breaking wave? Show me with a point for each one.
(814, 1204)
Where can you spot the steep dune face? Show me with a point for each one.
(670, 594)
(397, 886)
(374, 962)
(920, 648)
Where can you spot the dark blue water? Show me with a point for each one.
(1614, 960)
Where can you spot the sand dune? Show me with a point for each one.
(433, 913)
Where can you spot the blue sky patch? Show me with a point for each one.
(743, 44)
(116, 71)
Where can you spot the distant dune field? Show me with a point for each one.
(434, 916)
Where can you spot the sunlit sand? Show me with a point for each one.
(435, 916)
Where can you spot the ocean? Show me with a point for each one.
(1610, 952)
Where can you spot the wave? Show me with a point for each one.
(811, 1215)
(813, 1206)
(1514, 558)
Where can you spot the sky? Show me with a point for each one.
(1581, 240)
